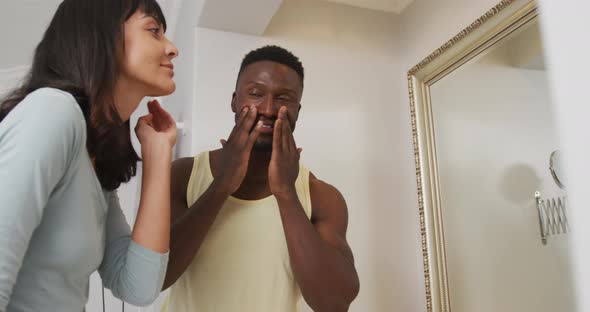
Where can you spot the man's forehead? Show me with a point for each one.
(268, 66)
(271, 71)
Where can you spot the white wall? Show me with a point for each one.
(11, 78)
(180, 104)
(565, 22)
(495, 131)
(348, 128)
(28, 19)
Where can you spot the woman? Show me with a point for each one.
(65, 148)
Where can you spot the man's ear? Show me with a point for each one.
(233, 102)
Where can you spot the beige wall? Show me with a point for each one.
(426, 25)
(565, 22)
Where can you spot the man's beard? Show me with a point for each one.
(262, 146)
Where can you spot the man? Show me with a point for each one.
(253, 230)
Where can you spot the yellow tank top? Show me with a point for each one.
(243, 264)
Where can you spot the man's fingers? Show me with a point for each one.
(293, 144)
(243, 115)
(233, 132)
(288, 139)
(286, 135)
(253, 136)
(276, 137)
(247, 124)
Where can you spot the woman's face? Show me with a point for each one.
(147, 60)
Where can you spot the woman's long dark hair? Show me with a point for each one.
(79, 54)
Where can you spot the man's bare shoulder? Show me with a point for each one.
(182, 167)
(326, 200)
(324, 190)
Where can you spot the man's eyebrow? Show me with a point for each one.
(289, 90)
(284, 89)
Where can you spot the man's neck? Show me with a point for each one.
(258, 167)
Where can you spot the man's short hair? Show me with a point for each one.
(276, 54)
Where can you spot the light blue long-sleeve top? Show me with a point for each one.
(57, 225)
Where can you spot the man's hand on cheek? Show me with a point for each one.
(284, 164)
(235, 154)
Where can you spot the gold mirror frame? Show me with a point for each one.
(494, 25)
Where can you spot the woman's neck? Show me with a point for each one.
(127, 97)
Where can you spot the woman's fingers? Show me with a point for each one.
(162, 120)
(146, 119)
(165, 115)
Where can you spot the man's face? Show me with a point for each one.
(268, 86)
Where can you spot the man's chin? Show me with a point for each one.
(263, 146)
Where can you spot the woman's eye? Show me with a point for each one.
(155, 30)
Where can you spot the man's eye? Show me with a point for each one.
(284, 98)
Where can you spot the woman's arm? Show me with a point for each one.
(134, 266)
(157, 135)
(131, 271)
(39, 140)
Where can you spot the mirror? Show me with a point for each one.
(482, 129)
(556, 168)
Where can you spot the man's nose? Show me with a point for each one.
(268, 107)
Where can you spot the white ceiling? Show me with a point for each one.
(246, 17)
(22, 23)
(391, 6)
